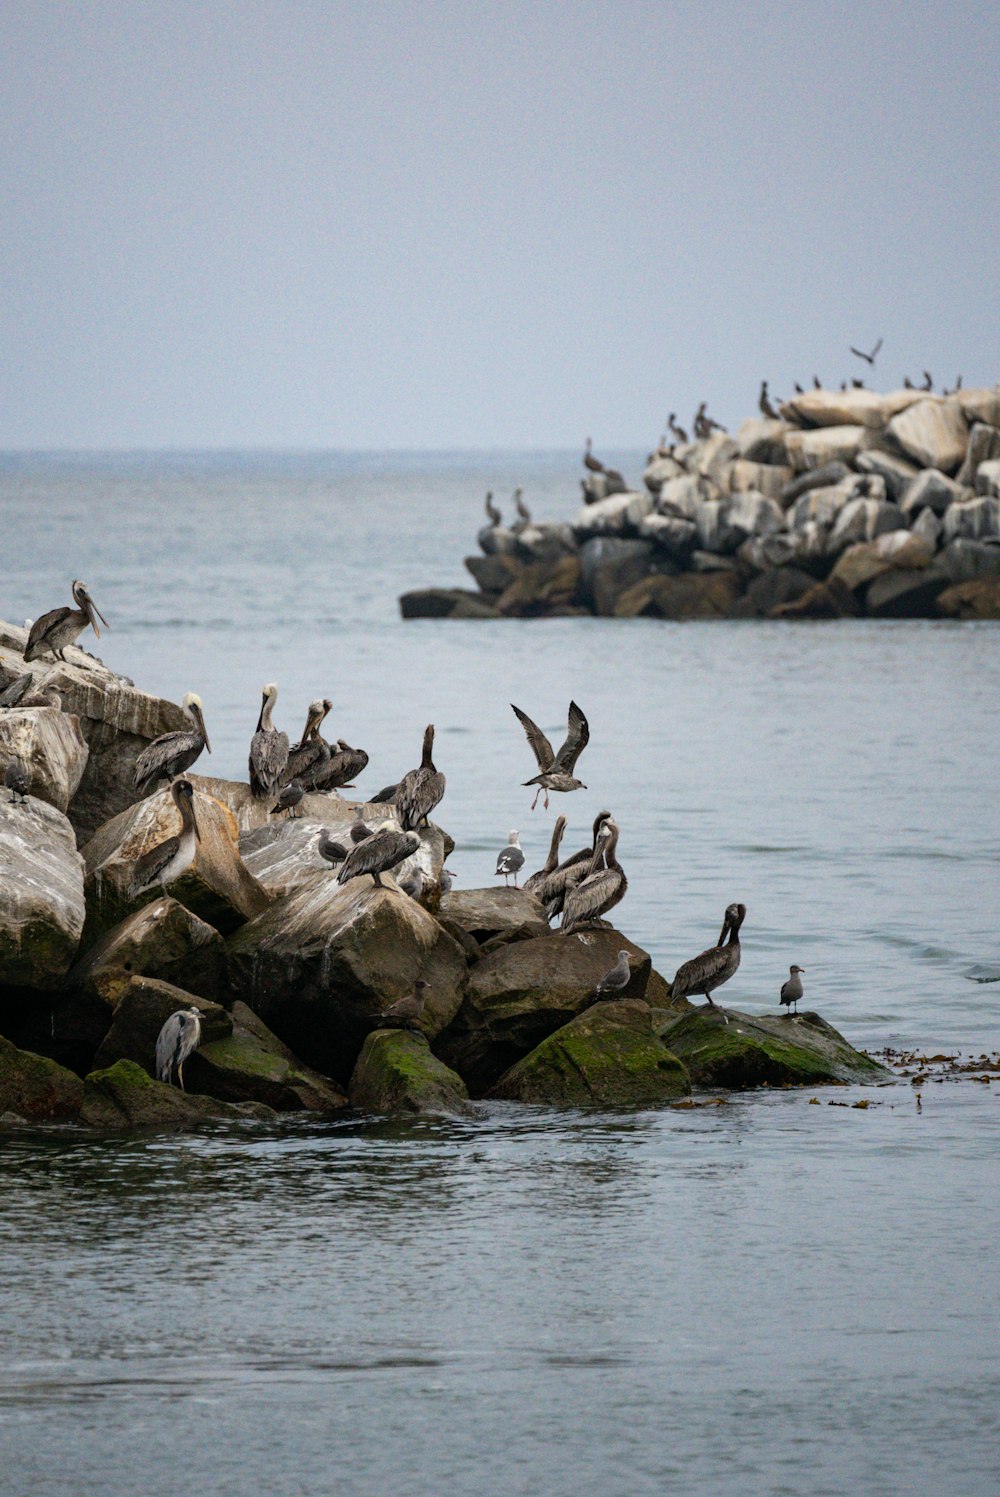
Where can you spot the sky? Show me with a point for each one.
(482, 225)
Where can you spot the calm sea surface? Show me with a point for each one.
(765, 1297)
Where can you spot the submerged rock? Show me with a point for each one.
(124, 1097)
(41, 894)
(397, 1073)
(754, 1050)
(35, 1088)
(609, 1055)
(50, 746)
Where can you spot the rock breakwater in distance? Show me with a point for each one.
(841, 504)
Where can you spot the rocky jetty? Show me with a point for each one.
(846, 504)
(296, 979)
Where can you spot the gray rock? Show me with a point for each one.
(608, 566)
(659, 470)
(35, 1088)
(41, 894)
(754, 514)
(252, 1065)
(123, 1098)
(160, 940)
(928, 527)
(754, 1050)
(904, 594)
(988, 478)
(497, 540)
(444, 603)
(546, 542)
(762, 552)
(984, 447)
(820, 506)
(141, 1012)
(285, 854)
(982, 405)
(826, 444)
(931, 490)
(933, 432)
(837, 408)
(826, 477)
(863, 520)
(763, 441)
(594, 488)
(896, 473)
(493, 573)
(674, 537)
(618, 515)
(715, 534)
(970, 561)
(758, 478)
(974, 520)
(777, 585)
(689, 596)
(710, 561)
(485, 913)
(861, 563)
(51, 748)
(713, 457)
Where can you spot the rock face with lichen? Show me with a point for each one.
(610, 1055)
(124, 1097)
(752, 1050)
(51, 748)
(397, 1073)
(35, 1088)
(41, 895)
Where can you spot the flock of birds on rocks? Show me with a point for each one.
(582, 888)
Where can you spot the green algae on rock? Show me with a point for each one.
(609, 1055)
(754, 1050)
(396, 1072)
(35, 1088)
(252, 1065)
(123, 1096)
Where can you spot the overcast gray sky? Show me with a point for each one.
(476, 224)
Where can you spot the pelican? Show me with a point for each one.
(332, 851)
(615, 981)
(766, 408)
(675, 430)
(289, 797)
(510, 860)
(173, 754)
(570, 872)
(420, 790)
(63, 626)
(590, 461)
(709, 970)
(311, 749)
(602, 888)
(928, 384)
(268, 749)
(407, 1012)
(385, 849)
(791, 991)
(17, 779)
(385, 796)
(556, 770)
(492, 513)
(172, 858)
(180, 1035)
(340, 770)
(535, 881)
(523, 513)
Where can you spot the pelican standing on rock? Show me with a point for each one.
(603, 887)
(523, 513)
(311, 749)
(710, 969)
(534, 882)
(420, 790)
(511, 859)
(172, 858)
(340, 770)
(556, 770)
(383, 850)
(180, 1035)
(61, 627)
(173, 753)
(268, 749)
(492, 513)
(570, 872)
(791, 991)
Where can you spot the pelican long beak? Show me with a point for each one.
(93, 614)
(200, 720)
(194, 823)
(724, 931)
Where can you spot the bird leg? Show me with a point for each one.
(538, 792)
(546, 798)
(378, 882)
(180, 1074)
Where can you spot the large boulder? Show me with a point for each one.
(41, 894)
(737, 1051)
(285, 853)
(837, 408)
(35, 1088)
(397, 1073)
(617, 515)
(982, 405)
(895, 472)
(862, 563)
(494, 573)
(821, 506)
(163, 940)
(984, 447)
(50, 746)
(970, 561)
(971, 600)
(141, 1013)
(252, 1065)
(905, 593)
(487, 913)
(690, 596)
(609, 1056)
(681, 498)
(609, 566)
(673, 536)
(863, 520)
(824, 600)
(931, 490)
(519, 994)
(988, 478)
(776, 585)
(975, 520)
(546, 542)
(933, 432)
(826, 444)
(124, 1097)
(323, 962)
(761, 440)
(758, 478)
(659, 470)
(826, 477)
(116, 721)
(543, 587)
(762, 552)
(218, 888)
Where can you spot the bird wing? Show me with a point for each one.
(148, 867)
(875, 350)
(342, 768)
(166, 1043)
(577, 738)
(167, 750)
(701, 968)
(859, 355)
(589, 896)
(376, 854)
(407, 796)
(41, 627)
(268, 757)
(540, 745)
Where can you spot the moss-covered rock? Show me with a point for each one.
(762, 1050)
(609, 1055)
(396, 1072)
(252, 1065)
(123, 1096)
(35, 1088)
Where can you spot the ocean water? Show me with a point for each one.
(766, 1296)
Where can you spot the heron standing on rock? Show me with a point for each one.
(180, 1035)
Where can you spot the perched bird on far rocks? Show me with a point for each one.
(791, 991)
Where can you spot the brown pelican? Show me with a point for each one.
(172, 858)
(386, 795)
(341, 769)
(907, 382)
(510, 860)
(857, 384)
(311, 749)
(602, 888)
(523, 512)
(407, 1012)
(268, 749)
(556, 770)
(535, 881)
(817, 382)
(791, 991)
(17, 779)
(928, 384)
(615, 981)
(698, 425)
(420, 790)
(869, 358)
(385, 849)
(180, 1035)
(332, 851)
(675, 430)
(709, 970)
(590, 461)
(62, 626)
(766, 408)
(289, 797)
(570, 872)
(173, 753)
(492, 513)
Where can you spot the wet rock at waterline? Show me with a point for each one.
(141, 1013)
(124, 1097)
(752, 1050)
(251, 1064)
(396, 1072)
(35, 1088)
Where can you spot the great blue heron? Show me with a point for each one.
(180, 1035)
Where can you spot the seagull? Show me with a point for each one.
(17, 779)
(332, 851)
(407, 1012)
(447, 879)
(869, 358)
(791, 991)
(511, 859)
(556, 770)
(614, 982)
(291, 795)
(180, 1035)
